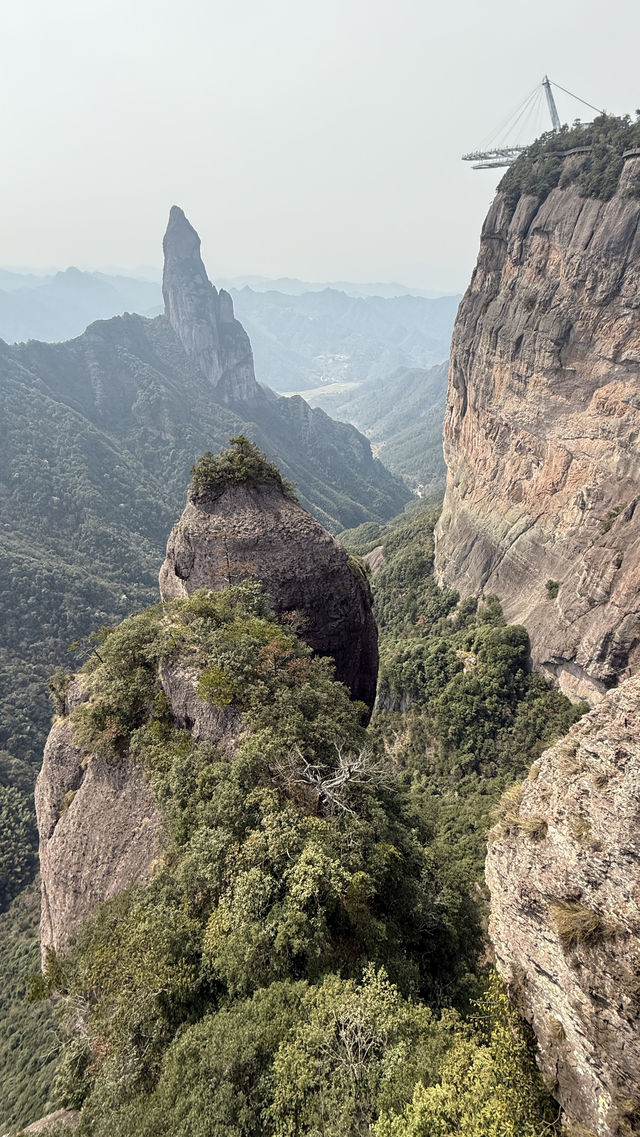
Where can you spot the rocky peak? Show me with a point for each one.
(203, 318)
(256, 529)
(563, 870)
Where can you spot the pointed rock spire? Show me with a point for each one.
(203, 318)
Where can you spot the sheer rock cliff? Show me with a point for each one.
(564, 872)
(542, 427)
(100, 829)
(255, 531)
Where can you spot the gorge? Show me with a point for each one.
(266, 800)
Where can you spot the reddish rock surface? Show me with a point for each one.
(542, 428)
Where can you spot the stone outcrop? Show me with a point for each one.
(542, 427)
(203, 318)
(564, 872)
(59, 1118)
(255, 531)
(100, 829)
(99, 833)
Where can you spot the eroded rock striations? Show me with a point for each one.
(541, 431)
(564, 873)
(256, 531)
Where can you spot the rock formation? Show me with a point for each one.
(541, 431)
(202, 317)
(564, 873)
(100, 830)
(255, 531)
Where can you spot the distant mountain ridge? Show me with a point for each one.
(317, 338)
(60, 306)
(303, 335)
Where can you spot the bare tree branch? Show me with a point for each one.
(329, 785)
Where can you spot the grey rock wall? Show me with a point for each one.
(564, 872)
(258, 532)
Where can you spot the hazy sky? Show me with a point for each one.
(310, 138)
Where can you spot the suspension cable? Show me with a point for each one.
(577, 98)
(506, 122)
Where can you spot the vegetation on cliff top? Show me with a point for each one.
(242, 464)
(542, 168)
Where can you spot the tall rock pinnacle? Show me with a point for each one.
(203, 318)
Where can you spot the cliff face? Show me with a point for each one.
(541, 431)
(257, 531)
(564, 873)
(202, 317)
(100, 829)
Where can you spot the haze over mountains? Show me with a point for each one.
(59, 306)
(303, 335)
(261, 886)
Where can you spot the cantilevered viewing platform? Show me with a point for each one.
(500, 151)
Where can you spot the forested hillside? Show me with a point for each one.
(402, 415)
(96, 441)
(283, 906)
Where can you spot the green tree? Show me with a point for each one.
(488, 1085)
(18, 841)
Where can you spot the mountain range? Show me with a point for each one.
(300, 339)
(97, 438)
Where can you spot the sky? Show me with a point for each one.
(318, 139)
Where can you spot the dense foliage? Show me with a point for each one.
(595, 173)
(17, 843)
(267, 876)
(460, 710)
(242, 464)
(306, 957)
(29, 1042)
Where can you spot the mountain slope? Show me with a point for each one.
(402, 415)
(97, 437)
